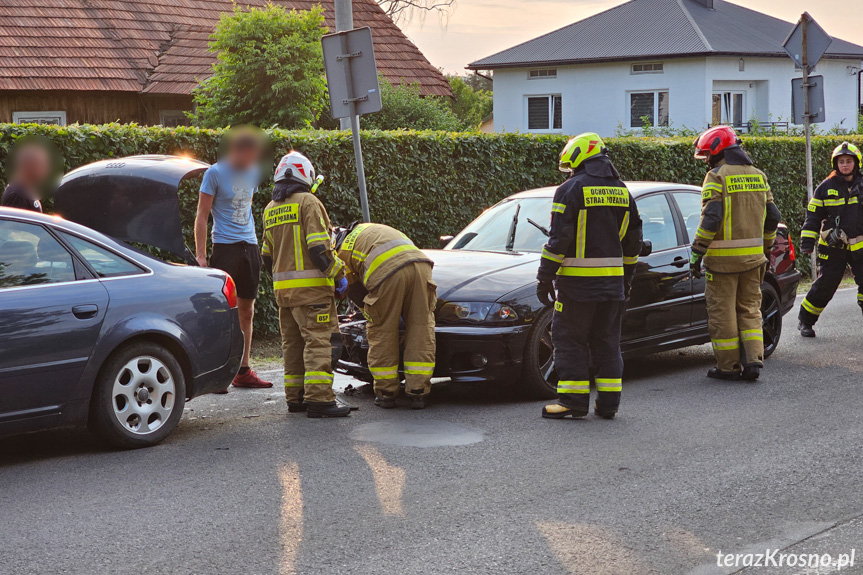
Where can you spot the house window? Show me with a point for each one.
(647, 68)
(728, 108)
(544, 112)
(542, 73)
(58, 118)
(648, 109)
(173, 118)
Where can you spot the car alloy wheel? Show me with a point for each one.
(143, 395)
(538, 377)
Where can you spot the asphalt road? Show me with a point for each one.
(477, 483)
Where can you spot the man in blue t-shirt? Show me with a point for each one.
(227, 192)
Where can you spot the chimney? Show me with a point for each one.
(705, 3)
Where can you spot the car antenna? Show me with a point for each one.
(510, 242)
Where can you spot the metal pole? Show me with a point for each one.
(807, 122)
(361, 170)
(344, 22)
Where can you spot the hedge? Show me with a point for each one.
(431, 183)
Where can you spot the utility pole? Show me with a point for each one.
(344, 22)
(807, 120)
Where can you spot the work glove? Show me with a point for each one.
(807, 246)
(545, 292)
(695, 265)
(341, 286)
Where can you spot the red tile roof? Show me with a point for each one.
(159, 46)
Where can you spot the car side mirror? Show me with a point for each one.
(646, 248)
(444, 241)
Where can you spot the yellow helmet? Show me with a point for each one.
(846, 149)
(579, 149)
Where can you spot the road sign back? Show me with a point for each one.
(816, 100)
(817, 42)
(352, 75)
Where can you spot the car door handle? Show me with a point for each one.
(88, 311)
(679, 261)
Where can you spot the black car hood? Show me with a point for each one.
(130, 199)
(463, 275)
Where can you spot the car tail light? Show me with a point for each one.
(792, 255)
(230, 291)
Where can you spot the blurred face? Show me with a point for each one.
(244, 153)
(32, 166)
(845, 165)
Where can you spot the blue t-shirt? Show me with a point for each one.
(232, 193)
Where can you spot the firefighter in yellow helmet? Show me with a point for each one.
(306, 275)
(835, 219)
(737, 229)
(392, 279)
(592, 250)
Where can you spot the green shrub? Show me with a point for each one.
(431, 183)
(405, 109)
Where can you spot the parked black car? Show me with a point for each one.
(491, 326)
(94, 331)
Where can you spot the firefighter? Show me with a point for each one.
(737, 230)
(306, 276)
(392, 279)
(835, 219)
(592, 249)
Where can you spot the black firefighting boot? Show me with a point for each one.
(575, 408)
(806, 330)
(297, 406)
(327, 409)
(716, 373)
(385, 400)
(416, 400)
(751, 372)
(606, 404)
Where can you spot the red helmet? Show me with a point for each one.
(715, 140)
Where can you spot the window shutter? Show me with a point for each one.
(558, 113)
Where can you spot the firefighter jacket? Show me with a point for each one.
(297, 246)
(835, 199)
(595, 235)
(738, 216)
(374, 252)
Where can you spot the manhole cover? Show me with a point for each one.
(417, 433)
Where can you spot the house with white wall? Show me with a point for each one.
(677, 63)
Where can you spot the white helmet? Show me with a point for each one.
(297, 167)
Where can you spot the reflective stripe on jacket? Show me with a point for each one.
(373, 252)
(291, 227)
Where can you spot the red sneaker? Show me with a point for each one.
(250, 379)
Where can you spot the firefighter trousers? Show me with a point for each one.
(307, 351)
(586, 334)
(734, 318)
(832, 263)
(410, 294)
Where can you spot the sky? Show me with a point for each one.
(478, 28)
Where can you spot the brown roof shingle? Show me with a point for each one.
(159, 46)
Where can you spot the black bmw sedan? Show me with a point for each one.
(97, 332)
(492, 327)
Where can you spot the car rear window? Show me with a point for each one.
(106, 263)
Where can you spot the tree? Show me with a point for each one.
(269, 70)
(471, 106)
(405, 9)
(405, 109)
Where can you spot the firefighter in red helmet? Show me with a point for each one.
(737, 229)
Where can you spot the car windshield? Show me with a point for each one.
(493, 230)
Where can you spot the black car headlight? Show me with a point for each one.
(475, 312)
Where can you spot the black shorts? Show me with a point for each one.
(243, 262)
